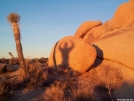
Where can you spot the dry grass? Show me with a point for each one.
(111, 77)
(36, 74)
(68, 91)
(62, 85)
(5, 88)
(93, 86)
(54, 93)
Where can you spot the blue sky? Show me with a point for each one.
(44, 22)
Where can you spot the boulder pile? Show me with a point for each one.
(112, 40)
(98, 45)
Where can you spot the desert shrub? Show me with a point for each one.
(4, 89)
(67, 90)
(0, 61)
(43, 60)
(36, 74)
(13, 61)
(16, 61)
(3, 60)
(54, 93)
(2, 68)
(81, 94)
(111, 78)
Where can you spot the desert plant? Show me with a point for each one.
(14, 19)
(36, 75)
(43, 60)
(4, 90)
(13, 61)
(11, 54)
(3, 60)
(111, 77)
(2, 68)
(67, 90)
(54, 93)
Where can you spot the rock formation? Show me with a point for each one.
(85, 27)
(114, 43)
(95, 33)
(124, 15)
(123, 18)
(118, 48)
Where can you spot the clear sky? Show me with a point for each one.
(44, 22)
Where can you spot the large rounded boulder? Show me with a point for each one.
(74, 53)
(124, 15)
(94, 34)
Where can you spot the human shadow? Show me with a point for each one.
(65, 49)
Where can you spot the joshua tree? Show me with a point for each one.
(11, 54)
(14, 19)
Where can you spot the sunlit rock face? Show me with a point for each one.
(74, 53)
(119, 48)
(124, 15)
(94, 34)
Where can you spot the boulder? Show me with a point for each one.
(72, 52)
(85, 27)
(95, 33)
(123, 18)
(118, 48)
(124, 15)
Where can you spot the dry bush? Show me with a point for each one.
(13, 61)
(2, 68)
(67, 90)
(43, 60)
(3, 60)
(81, 94)
(111, 78)
(38, 75)
(0, 60)
(54, 93)
(4, 89)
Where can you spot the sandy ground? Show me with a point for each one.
(23, 94)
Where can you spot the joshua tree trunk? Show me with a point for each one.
(14, 18)
(19, 48)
